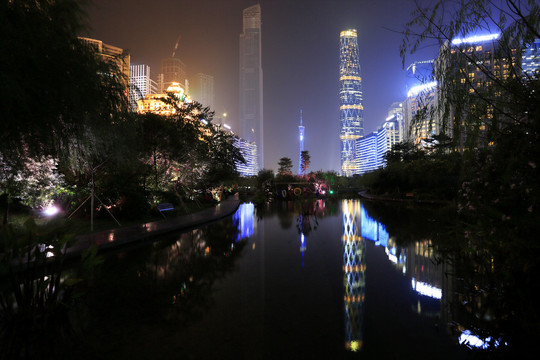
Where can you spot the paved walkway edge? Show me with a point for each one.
(138, 234)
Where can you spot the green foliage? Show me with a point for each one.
(54, 94)
(37, 291)
(476, 96)
(494, 118)
(285, 166)
(305, 161)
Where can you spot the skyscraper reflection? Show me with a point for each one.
(244, 218)
(354, 269)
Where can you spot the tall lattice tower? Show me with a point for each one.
(301, 139)
(351, 109)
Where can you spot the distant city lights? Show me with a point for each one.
(475, 39)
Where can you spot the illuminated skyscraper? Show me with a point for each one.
(251, 80)
(531, 58)
(140, 84)
(201, 89)
(351, 110)
(173, 70)
(301, 139)
(111, 54)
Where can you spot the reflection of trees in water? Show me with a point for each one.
(169, 285)
(493, 281)
(287, 210)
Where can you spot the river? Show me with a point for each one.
(291, 280)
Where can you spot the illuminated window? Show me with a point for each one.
(479, 48)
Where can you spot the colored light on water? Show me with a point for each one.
(468, 338)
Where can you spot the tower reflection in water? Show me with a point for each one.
(244, 219)
(354, 269)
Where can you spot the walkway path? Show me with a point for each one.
(130, 235)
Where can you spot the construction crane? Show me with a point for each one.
(176, 46)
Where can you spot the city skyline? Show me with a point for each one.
(299, 46)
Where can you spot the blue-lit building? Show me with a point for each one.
(249, 152)
(371, 150)
(421, 94)
(301, 129)
(421, 99)
(531, 58)
(351, 109)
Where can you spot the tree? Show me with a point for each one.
(477, 96)
(56, 92)
(305, 161)
(492, 111)
(285, 166)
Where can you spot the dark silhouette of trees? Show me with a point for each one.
(285, 166)
(305, 161)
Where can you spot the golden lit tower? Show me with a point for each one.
(351, 110)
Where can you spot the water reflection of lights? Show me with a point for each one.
(469, 339)
(425, 289)
(244, 217)
(354, 275)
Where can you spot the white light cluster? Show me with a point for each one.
(426, 289)
(475, 39)
(468, 338)
(418, 89)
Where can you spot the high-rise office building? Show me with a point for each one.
(251, 80)
(371, 150)
(396, 117)
(301, 129)
(112, 54)
(173, 70)
(421, 121)
(478, 64)
(140, 84)
(421, 91)
(531, 58)
(201, 89)
(249, 152)
(351, 110)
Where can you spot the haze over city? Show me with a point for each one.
(300, 59)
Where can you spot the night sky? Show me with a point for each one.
(300, 48)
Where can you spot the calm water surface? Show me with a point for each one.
(290, 281)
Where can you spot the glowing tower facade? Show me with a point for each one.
(354, 274)
(351, 109)
(301, 129)
(251, 80)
